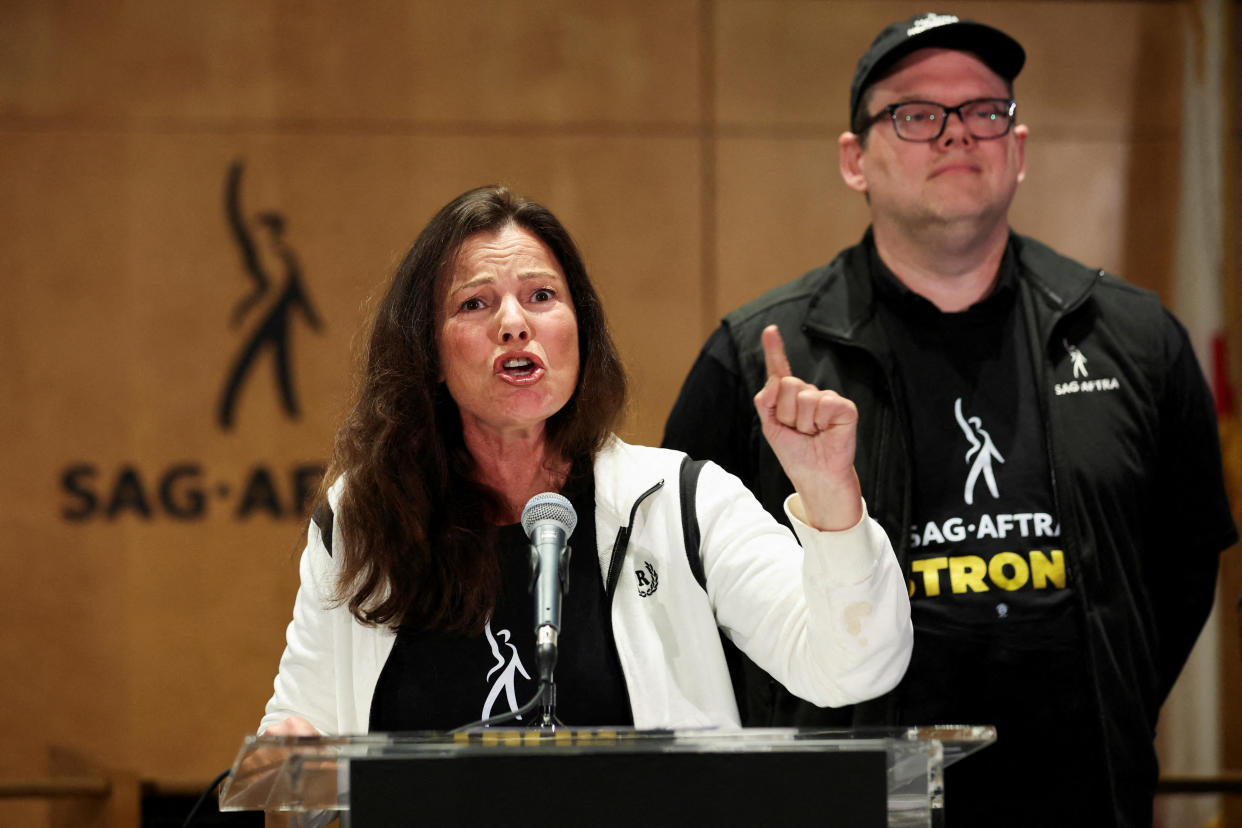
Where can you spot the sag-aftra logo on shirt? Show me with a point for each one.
(1028, 563)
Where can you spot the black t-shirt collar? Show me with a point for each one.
(898, 298)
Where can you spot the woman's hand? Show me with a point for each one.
(812, 433)
(262, 765)
(292, 726)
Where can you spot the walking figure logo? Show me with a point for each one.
(981, 450)
(274, 297)
(1077, 359)
(506, 680)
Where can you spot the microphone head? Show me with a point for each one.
(549, 506)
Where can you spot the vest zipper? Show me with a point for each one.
(622, 543)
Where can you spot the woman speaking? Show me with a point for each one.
(490, 383)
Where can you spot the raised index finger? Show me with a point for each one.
(774, 352)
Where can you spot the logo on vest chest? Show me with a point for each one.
(1081, 381)
(648, 580)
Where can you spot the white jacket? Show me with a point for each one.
(832, 625)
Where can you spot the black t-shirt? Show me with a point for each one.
(998, 630)
(438, 681)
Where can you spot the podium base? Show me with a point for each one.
(604, 789)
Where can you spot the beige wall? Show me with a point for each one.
(689, 146)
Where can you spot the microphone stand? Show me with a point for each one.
(547, 639)
(548, 697)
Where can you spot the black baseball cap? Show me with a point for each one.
(1002, 54)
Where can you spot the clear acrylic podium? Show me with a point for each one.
(565, 776)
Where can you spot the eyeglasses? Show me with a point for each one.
(983, 118)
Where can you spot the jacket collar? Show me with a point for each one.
(1060, 284)
(843, 309)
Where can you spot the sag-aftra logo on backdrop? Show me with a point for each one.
(267, 316)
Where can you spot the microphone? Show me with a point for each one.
(548, 520)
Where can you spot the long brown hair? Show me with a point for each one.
(417, 530)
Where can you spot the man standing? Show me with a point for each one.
(1035, 436)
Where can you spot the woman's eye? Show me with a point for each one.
(473, 303)
(542, 295)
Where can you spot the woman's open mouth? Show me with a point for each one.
(519, 369)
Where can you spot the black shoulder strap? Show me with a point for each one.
(690, 517)
(735, 659)
(323, 518)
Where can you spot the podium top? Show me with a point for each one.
(300, 773)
